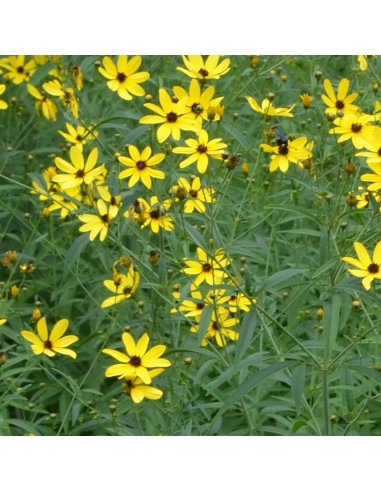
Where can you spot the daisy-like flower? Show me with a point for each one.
(199, 102)
(43, 343)
(364, 197)
(140, 166)
(193, 195)
(77, 171)
(114, 201)
(197, 68)
(65, 201)
(240, 301)
(171, 116)
(200, 149)
(123, 286)
(136, 361)
(43, 104)
(287, 151)
(268, 109)
(355, 127)
(98, 223)
(133, 387)
(78, 135)
(3, 104)
(367, 268)
(18, 71)
(156, 214)
(340, 103)
(207, 268)
(123, 77)
(219, 328)
(373, 148)
(67, 96)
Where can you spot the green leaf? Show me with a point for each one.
(331, 321)
(297, 384)
(246, 332)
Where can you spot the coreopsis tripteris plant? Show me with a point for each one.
(200, 150)
(76, 73)
(373, 148)
(43, 105)
(286, 152)
(123, 77)
(141, 166)
(156, 214)
(367, 268)
(192, 194)
(340, 103)
(122, 285)
(192, 306)
(77, 172)
(55, 342)
(137, 361)
(67, 96)
(199, 103)
(18, 70)
(65, 201)
(306, 99)
(219, 328)
(3, 104)
(209, 269)
(198, 68)
(172, 117)
(134, 387)
(355, 126)
(98, 223)
(78, 135)
(267, 108)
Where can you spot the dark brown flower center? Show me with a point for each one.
(135, 361)
(373, 268)
(200, 306)
(80, 173)
(206, 267)
(141, 165)
(79, 138)
(121, 77)
(127, 291)
(105, 219)
(379, 151)
(193, 193)
(197, 108)
(113, 201)
(203, 72)
(48, 344)
(356, 127)
(20, 69)
(339, 104)
(216, 325)
(171, 117)
(283, 148)
(155, 214)
(202, 149)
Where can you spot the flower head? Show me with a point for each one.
(140, 166)
(197, 68)
(287, 151)
(193, 194)
(156, 215)
(43, 104)
(373, 147)
(355, 127)
(78, 135)
(367, 268)
(98, 223)
(207, 268)
(268, 109)
(200, 150)
(77, 171)
(67, 96)
(340, 103)
(123, 77)
(18, 71)
(123, 286)
(133, 387)
(219, 328)
(43, 343)
(173, 117)
(137, 360)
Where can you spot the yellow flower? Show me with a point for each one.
(172, 117)
(200, 150)
(17, 70)
(123, 286)
(14, 291)
(133, 387)
(136, 361)
(140, 166)
(366, 268)
(65, 201)
(3, 104)
(54, 88)
(287, 151)
(2, 320)
(197, 68)
(193, 194)
(306, 99)
(122, 77)
(207, 268)
(219, 328)
(268, 109)
(340, 103)
(373, 152)
(76, 73)
(354, 127)
(78, 136)
(98, 223)
(199, 103)
(77, 171)
(43, 104)
(156, 214)
(43, 343)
